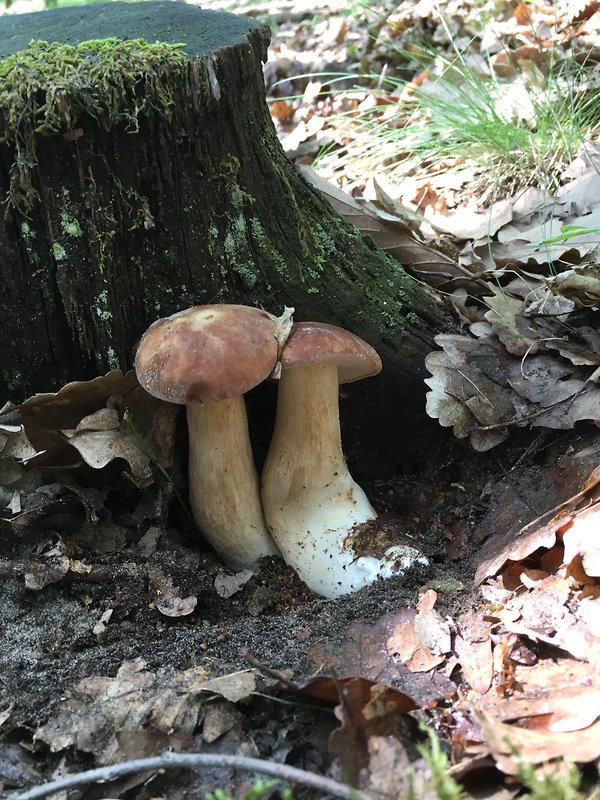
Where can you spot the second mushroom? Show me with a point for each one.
(310, 501)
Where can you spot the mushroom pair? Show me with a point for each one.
(206, 358)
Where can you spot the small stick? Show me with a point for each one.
(272, 673)
(193, 761)
(99, 573)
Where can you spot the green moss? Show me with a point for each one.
(113, 361)
(13, 380)
(26, 232)
(58, 251)
(265, 248)
(102, 309)
(239, 197)
(136, 206)
(213, 240)
(70, 225)
(47, 89)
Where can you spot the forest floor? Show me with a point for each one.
(122, 635)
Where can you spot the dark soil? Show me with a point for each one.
(47, 638)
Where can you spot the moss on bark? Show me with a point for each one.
(171, 196)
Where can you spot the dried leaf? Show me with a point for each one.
(366, 710)
(511, 541)
(505, 317)
(581, 539)
(233, 687)
(408, 647)
(137, 712)
(363, 654)
(389, 232)
(51, 571)
(99, 447)
(465, 223)
(227, 585)
(219, 719)
(169, 599)
(473, 647)
(535, 746)
(463, 396)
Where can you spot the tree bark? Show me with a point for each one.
(127, 221)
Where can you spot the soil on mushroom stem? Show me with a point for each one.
(47, 641)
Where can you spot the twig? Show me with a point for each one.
(193, 761)
(272, 673)
(99, 573)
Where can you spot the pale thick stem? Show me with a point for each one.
(310, 499)
(224, 487)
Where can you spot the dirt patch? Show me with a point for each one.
(90, 623)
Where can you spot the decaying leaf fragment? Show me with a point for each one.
(575, 523)
(91, 423)
(525, 367)
(99, 710)
(101, 437)
(363, 655)
(469, 391)
(169, 599)
(505, 741)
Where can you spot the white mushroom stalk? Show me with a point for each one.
(311, 503)
(221, 467)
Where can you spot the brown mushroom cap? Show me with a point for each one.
(206, 353)
(319, 343)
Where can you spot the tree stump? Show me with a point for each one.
(142, 178)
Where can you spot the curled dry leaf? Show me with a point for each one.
(500, 549)
(168, 598)
(390, 232)
(581, 539)
(363, 654)
(537, 746)
(481, 386)
(98, 447)
(462, 395)
(582, 283)
(165, 705)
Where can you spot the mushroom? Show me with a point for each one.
(311, 502)
(206, 358)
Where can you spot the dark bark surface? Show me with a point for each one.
(198, 205)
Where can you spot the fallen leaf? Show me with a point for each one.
(363, 654)
(50, 571)
(581, 539)
(390, 232)
(233, 687)
(165, 704)
(366, 710)
(467, 224)
(168, 598)
(99, 447)
(536, 747)
(227, 585)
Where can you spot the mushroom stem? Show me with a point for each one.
(224, 487)
(311, 501)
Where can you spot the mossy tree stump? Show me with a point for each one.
(143, 178)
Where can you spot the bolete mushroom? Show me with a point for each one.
(206, 358)
(311, 502)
